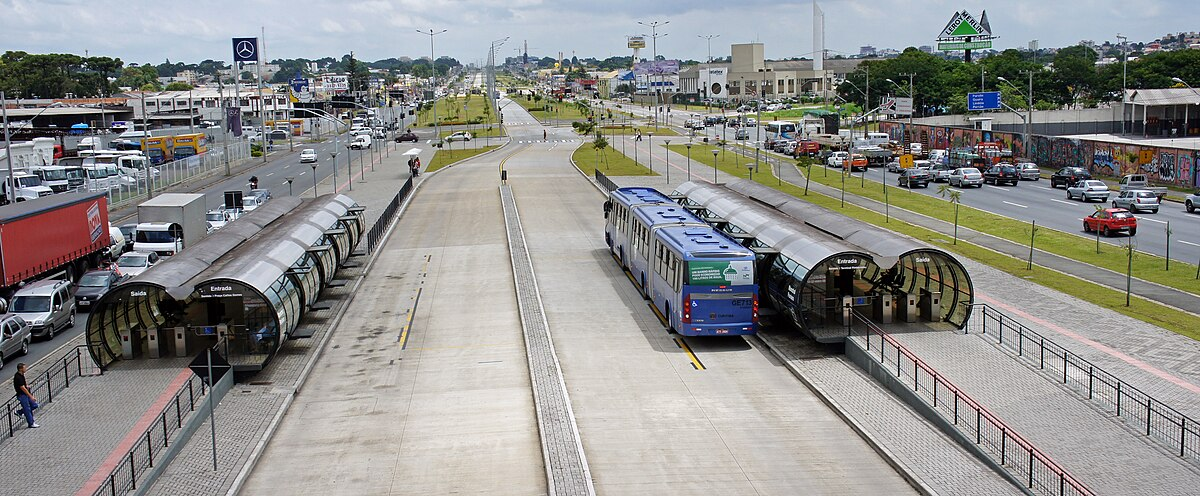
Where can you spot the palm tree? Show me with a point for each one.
(955, 198)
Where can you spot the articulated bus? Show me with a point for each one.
(618, 215)
(703, 282)
(781, 130)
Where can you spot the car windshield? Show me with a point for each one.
(1145, 194)
(54, 174)
(94, 280)
(215, 216)
(154, 237)
(131, 261)
(30, 304)
(1121, 215)
(1093, 184)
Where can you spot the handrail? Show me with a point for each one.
(46, 384)
(140, 457)
(1152, 417)
(375, 234)
(1039, 472)
(608, 184)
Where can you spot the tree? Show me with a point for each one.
(955, 198)
(178, 86)
(1074, 73)
(599, 144)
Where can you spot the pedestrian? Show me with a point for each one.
(544, 135)
(28, 402)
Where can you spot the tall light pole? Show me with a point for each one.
(912, 97)
(654, 62)
(1185, 107)
(433, 80)
(1029, 112)
(709, 38)
(1124, 62)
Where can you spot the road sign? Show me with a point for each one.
(903, 105)
(200, 365)
(906, 161)
(987, 100)
(245, 49)
(1145, 156)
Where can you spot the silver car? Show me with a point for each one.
(965, 176)
(1088, 190)
(48, 305)
(1137, 200)
(15, 335)
(1028, 171)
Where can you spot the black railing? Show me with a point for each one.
(140, 458)
(57, 377)
(1033, 468)
(605, 181)
(1153, 418)
(375, 235)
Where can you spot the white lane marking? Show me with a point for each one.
(269, 174)
(1188, 242)
(1152, 220)
(1016, 204)
(1063, 201)
(301, 173)
(995, 187)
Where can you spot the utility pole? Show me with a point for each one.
(709, 38)
(1124, 63)
(433, 81)
(654, 63)
(262, 123)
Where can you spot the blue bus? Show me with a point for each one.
(644, 222)
(618, 215)
(703, 282)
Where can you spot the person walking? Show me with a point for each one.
(544, 135)
(28, 402)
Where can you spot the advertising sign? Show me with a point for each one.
(233, 120)
(738, 272)
(637, 42)
(963, 32)
(341, 83)
(903, 105)
(245, 49)
(988, 100)
(657, 67)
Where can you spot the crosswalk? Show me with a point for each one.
(549, 141)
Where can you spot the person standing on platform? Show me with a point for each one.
(28, 402)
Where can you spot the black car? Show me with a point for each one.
(94, 285)
(400, 138)
(1067, 176)
(913, 177)
(1001, 173)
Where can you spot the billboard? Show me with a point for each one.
(987, 100)
(657, 67)
(712, 82)
(902, 105)
(636, 42)
(963, 32)
(335, 82)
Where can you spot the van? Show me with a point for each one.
(49, 306)
(117, 242)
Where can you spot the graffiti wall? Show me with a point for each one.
(1174, 166)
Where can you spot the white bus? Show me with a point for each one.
(781, 130)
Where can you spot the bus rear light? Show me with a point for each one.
(754, 310)
(687, 310)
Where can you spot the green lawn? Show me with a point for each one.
(611, 162)
(448, 155)
(1145, 266)
(551, 109)
(450, 111)
(478, 131)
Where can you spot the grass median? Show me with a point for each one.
(1151, 312)
(447, 156)
(453, 110)
(609, 161)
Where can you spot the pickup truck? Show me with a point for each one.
(1141, 182)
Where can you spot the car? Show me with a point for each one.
(914, 177)
(1137, 200)
(407, 136)
(129, 231)
(48, 305)
(308, 155)
(857, 163)
(1029, 171)
(1109, 220)
(894, 166)
(1000, 174)
(836, 159)
(362, 141)
(741, 134)
(136, 262)
(118, 244)
(1067, 176)
(941, 172)
(217, 218)
(1191, 201)
(459, 136)
(1088, 190)
(965, 176)
(277, 135)
(94, 285)
(380, 133)
(15, 336)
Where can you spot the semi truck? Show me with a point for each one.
(170, 222)
(66, 233)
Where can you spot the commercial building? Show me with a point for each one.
(749, 76)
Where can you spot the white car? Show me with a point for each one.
(308, 155)
(1088, 190)
(459, 136)
(966, 176)
(363, 141)
(837, 159)
(217, 218)
(136, 262)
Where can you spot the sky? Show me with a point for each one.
(152, 31)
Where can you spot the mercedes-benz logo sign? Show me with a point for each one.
(245, 49)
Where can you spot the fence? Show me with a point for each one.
(375, 235)
(140, 458)
(1153, 418)
(605, 181)
(172, 173)
(57, 377)
(1035, 469)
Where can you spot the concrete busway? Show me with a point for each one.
(244, 287)
(826, 263)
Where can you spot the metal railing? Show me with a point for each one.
(1178, 432)
(605, 181)
(45, 385)
(375, 235)
(178, 171)
(140, 458)
(1031, 466)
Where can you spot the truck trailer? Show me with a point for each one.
(65, 233)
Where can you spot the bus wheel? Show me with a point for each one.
(670, 324)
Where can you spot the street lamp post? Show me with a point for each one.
(314, 171)
(650, 148)
(1029, 112)
(667, 154)
(1124, 63)
(654, 61)
(289, 180)
(912, 97)
(715, 169)
(1186, 108)
(689, 160)
(433, 81)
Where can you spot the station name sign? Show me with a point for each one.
(219, 291)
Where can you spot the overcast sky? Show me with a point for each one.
(154, 30)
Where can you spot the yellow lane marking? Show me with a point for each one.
(408, 323)
(691, 356)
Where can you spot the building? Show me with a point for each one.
(749, 76)
(206, 103)
(866, 51)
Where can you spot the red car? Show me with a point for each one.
(400, 138)
(1110, 220)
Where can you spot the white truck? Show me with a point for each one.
(26, 154)
(21, 186)
(170, 222)
(1140, 181)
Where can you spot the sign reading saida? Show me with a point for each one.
(737, 272)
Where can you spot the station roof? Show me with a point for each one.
(1163, 96)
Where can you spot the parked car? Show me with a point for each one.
(136, 262)
(1089, 190)
(408, 136)
(94, 285)
(1110, 220)
(965, 176)
(1067, 176)
(1191, 201)
(459, 136)
(47, 305)
(913, 177)
(15, 335)
(1001, 173)
(308, 155)
(1137, 200)
(1029, 171)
